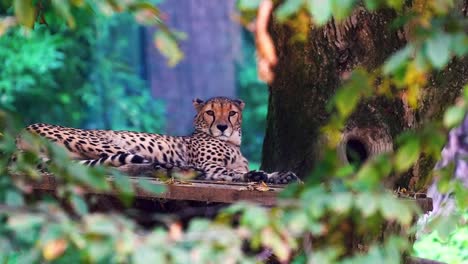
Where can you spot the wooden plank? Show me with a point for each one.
(192, 191)
(208, 191)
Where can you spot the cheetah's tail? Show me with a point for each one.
(116, 160)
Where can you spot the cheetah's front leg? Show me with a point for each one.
(216, 172)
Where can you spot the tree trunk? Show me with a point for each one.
(211, 52)
(307, 76)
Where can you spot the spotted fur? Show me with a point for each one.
(213, 148)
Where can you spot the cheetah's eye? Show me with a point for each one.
(210, 113)
(232, 113)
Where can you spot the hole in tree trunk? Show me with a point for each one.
(359, 144)
(356, 152)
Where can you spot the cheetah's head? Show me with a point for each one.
(220, 117)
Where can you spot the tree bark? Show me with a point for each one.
(308, 74)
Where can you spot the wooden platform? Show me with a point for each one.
(208, 191)
(204, 191)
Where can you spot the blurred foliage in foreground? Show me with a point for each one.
(316, 222)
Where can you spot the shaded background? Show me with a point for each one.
(107, 74)
(212, 50)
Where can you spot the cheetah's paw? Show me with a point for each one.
(283, 178)
(256, 176)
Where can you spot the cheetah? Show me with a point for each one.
(213, 148)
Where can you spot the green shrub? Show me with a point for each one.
(449, 248)
(76, 78)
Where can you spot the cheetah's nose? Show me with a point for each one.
(222, 127)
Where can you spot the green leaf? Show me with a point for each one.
(146, 253)
(198, 225)
(460, 44)
(454, 116)
(395, 209)
(236, 208)
(345, 171)
(14, 198)
(52, 231)
(383, 164)
(25, 12)
(394, 248)
(31, 256)
(63, 9)
(341, 8)
(124, 186)
(420, 60)
(325, 256)
(79, 204)
(255, 217)
(368, 177)
(396, 4)
(398, 60)
(180, 255)
(98, 251)
(461, 194)
(349, 95)
(150, 186)
(297, 222)
(167, 44)
(367, 203)
(342, 202)
(100, 225)
(407, 154)
(58, 154)
(135, 6)
(445, 225)
(288, 8)
(315, 201)
(320, 10)
(438, 49)
(373, 4)
(91, 177)
(21, 222)
(123, 183)
(245, 5)
(347, 98)
(465, 92)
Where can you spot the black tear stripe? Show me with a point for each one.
(229, 119)
(212, 122)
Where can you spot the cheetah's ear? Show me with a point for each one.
(240, 103)
(198, 104)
